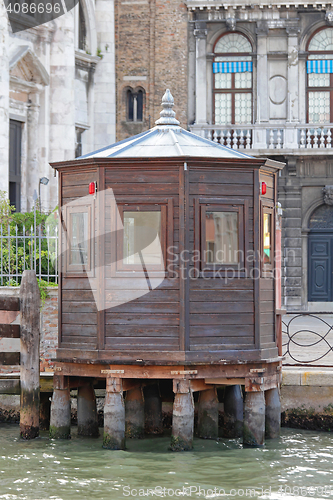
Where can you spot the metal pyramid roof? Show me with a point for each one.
(167, 139)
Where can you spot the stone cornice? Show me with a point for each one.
(261, 4)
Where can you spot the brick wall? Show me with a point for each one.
(151, 53)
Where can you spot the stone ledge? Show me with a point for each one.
(308, 377)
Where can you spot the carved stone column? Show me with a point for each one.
(262, 112)
(32, 172)
(200, 34)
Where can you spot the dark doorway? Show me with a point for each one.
(321, 255)
(15, 138)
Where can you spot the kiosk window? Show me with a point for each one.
(80, 242)
(141, 240)
(267, 238)
(142, 235)
(79, 238)
(222, 238)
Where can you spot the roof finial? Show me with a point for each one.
(167, 114)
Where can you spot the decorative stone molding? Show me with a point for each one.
(262, 28)
(328, 195)
(329, 17)
(231, 23)
(200, 30)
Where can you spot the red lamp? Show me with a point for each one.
(263, 188)
(92, 187)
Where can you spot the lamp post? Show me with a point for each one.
(44, 181)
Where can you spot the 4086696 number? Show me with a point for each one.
(33, 8)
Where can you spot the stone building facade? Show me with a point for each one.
(261, 79)
(151, 55)
(57, 88)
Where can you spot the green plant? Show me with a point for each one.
(43, 290)
(99, 53)
(6, 209)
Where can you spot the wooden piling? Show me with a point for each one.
(134, 413)
(60, 423)
(208, 414)
(182, 417)
(254, 419)
(30, 333)
(114, 415)
(233, 412)
(273, 413)
(87, 418)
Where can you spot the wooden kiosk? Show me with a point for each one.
(167, 272)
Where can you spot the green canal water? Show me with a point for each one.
(298, 465)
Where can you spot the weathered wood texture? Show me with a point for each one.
(201, 314)
(30, 334)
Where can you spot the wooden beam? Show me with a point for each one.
(9, 303)
(225, 381)
(199, 385)
(10, 331)
(10, 358)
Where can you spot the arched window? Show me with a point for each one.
(320, 77)
(134, 105)
(232, 69)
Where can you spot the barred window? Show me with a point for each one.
(320, 77)
(232, 69)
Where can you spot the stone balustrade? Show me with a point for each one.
(265, 138)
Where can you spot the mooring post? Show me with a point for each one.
(208, 414)
(30, 332)
(273, 413)
(114, 415)
(60, 423)
(134, 413)
(182, 416)
(153, 409)
(87, 417)
(254, 419)
(233, 412)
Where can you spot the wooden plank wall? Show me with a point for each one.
(221, 309)
(78, 326)
(267, 283)
(149, 322)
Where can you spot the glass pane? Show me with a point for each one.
(243, 80)
(233, 42)
(222, 109)
(267, 239)
(222, 238)
(323, 40)
(79, 238)
(232, 58)
(319, 107)
(142, 231)
(319, 80)
(243, 108)
(223, 80)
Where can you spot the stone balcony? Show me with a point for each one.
(267, 139)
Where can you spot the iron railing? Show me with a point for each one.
(307, 338)
(34, 247)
